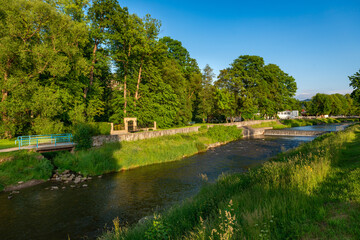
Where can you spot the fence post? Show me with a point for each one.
(37, 143)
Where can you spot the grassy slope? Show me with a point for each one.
(7, 143)
(273, 124)
(312, 192)
(22, 166)
(120, 156)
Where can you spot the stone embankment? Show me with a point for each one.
(100, 140)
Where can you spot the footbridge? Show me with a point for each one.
(285, 132)
(46, 143)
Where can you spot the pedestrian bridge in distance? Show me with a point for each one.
(287, 132)
(46, 143)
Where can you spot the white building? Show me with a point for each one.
(288, 114)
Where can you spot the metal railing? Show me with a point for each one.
(36, 140)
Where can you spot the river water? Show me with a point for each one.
(83, 213)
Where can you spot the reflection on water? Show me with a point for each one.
(39, 213)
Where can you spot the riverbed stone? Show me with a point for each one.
(84, 185)
(72, 186)
(54, 188)
(77, 180)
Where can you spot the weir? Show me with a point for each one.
(294, 133)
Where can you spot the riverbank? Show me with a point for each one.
(312, 192)
(112, 157)
(22, 166)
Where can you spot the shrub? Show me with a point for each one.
(83, 133)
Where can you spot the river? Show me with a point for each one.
(83, 212)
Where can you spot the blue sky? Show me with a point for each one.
(316, 42)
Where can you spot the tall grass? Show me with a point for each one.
(287, 198)
(125, 155)
(22, 166)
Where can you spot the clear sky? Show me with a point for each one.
(317, 42)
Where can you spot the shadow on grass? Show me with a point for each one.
(95, 161)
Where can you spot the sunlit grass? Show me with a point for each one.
(273, 124)
(7, 143)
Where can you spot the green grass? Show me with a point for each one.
(22, 166)
(307, 122)
(273, 124)
(7, 143)
(312, 192)
(125, 155)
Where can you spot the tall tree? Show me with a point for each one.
(355, 84)
(37, 43)
(205, 103)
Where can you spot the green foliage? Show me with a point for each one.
(355, 84)
(47, 126)
(158, 230)
(256, 87)
(23, 166)
(101, 128)
(82, 136)
(334, 104)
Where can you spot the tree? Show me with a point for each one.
(355, 84)
(205, 103)
(39, 46)
(320, 104)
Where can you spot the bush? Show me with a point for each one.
(83, 133)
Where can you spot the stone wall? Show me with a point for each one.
(100, 140)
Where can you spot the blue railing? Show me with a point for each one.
(36, 140)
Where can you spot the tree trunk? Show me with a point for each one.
(125, 75)
(138, 83)
(4, 117)
(125, 100)
(91, 75)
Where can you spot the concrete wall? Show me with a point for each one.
(100, 140)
